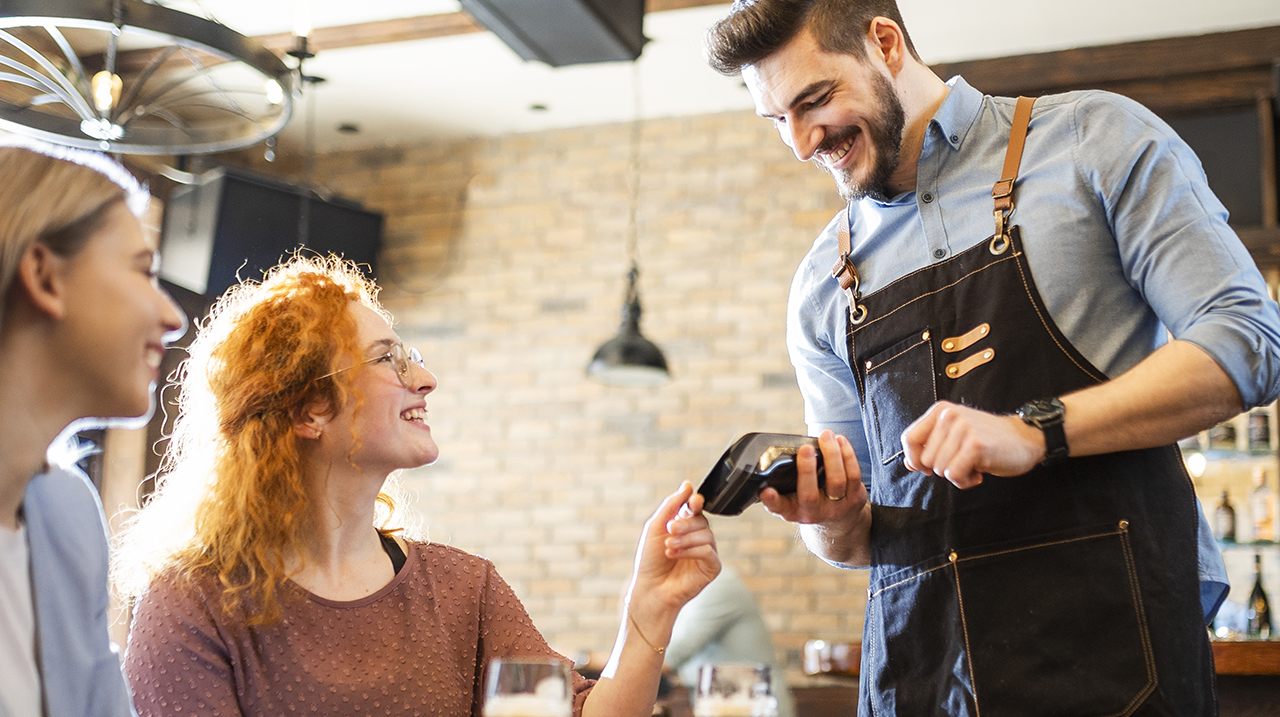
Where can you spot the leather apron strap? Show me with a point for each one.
(1002, 192)
(846, 272)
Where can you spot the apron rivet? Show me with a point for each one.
(1124, 525)
(948, 345)
(952, 370)
(924, 336)
(868, 365)
(986, 354)
(953, 557)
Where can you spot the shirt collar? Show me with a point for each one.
(958, 112)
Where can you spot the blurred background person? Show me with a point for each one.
(261, 584)
(723, 625)
(83, 326)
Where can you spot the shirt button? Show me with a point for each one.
(939, 253)
(927, 197)
(955, 138)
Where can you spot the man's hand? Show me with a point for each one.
(845, 493)
(961, 443)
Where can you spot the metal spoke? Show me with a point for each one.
(142, 78)
(86, 110)
(71, 56)
(44, 83)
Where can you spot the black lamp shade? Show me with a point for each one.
(629, 359)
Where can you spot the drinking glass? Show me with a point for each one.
(528, 687)
(735, 691)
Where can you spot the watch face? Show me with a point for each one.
(1041, 410)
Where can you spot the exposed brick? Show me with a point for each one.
(505, 262)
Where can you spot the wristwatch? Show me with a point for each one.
(1047, 414)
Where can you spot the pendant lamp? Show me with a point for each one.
(136, 77)
(629, 359)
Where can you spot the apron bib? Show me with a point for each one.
(1072, 590)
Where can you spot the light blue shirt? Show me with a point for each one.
(66, 534)
(1124, 239)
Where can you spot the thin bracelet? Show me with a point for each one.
(636, 625)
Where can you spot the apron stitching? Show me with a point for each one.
(875, 412)
(1054, 338)
(935, 291)
(930, 267)
(882, 363)
(1147, 657)
(907, 580)
(1037, 545)
(968, 652)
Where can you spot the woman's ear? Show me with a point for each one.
(312, 421)
(41, 279)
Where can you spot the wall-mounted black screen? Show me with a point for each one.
(235, 225)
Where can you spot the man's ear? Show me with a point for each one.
(41, 279)
(886, 40)
(312, 421)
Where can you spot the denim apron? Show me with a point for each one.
(1072, 590)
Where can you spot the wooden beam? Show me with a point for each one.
(1169, 96)
(1131, 61)
(422, 27)
(664, 5)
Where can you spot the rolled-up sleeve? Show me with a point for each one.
(1176, 246)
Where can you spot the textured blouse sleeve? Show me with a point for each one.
(506, 630)
(176, 662)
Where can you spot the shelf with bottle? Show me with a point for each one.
(1234, 468)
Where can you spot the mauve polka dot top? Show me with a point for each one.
(418, 646)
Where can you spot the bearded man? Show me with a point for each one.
(1005, 380)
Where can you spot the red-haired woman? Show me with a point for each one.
(262, 585)
(83, 322)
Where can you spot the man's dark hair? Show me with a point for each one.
(755, 29)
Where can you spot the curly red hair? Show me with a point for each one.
(231, 497)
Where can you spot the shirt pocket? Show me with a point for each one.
(900, 387)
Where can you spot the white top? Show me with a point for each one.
(19, 678)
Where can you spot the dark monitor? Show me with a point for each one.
(234, 225)
(1230, 149)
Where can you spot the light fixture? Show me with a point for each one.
(135, 77)
(629, 359)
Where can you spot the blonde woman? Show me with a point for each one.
(83, 323)
(263, 586)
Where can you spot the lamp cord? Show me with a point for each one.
(633, 185)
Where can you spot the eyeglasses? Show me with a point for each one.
(399, 358)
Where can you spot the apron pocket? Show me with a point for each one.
(914, 644)
(1057, 627)
(900, 388)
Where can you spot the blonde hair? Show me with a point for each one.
(57, 196)
(231, 498)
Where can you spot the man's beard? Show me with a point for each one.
(884, 131)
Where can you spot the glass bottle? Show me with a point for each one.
(1222, 437)
(1262, 506)
(1258, 611)
(1224, 520)
(1259, 431)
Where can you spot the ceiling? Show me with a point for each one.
(472, 84)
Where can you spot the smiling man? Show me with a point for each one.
(1005, 378)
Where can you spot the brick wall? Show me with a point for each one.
(504, 262)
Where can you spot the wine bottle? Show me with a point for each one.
(1262, 507)
(1224, 519)
(1259, 611)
